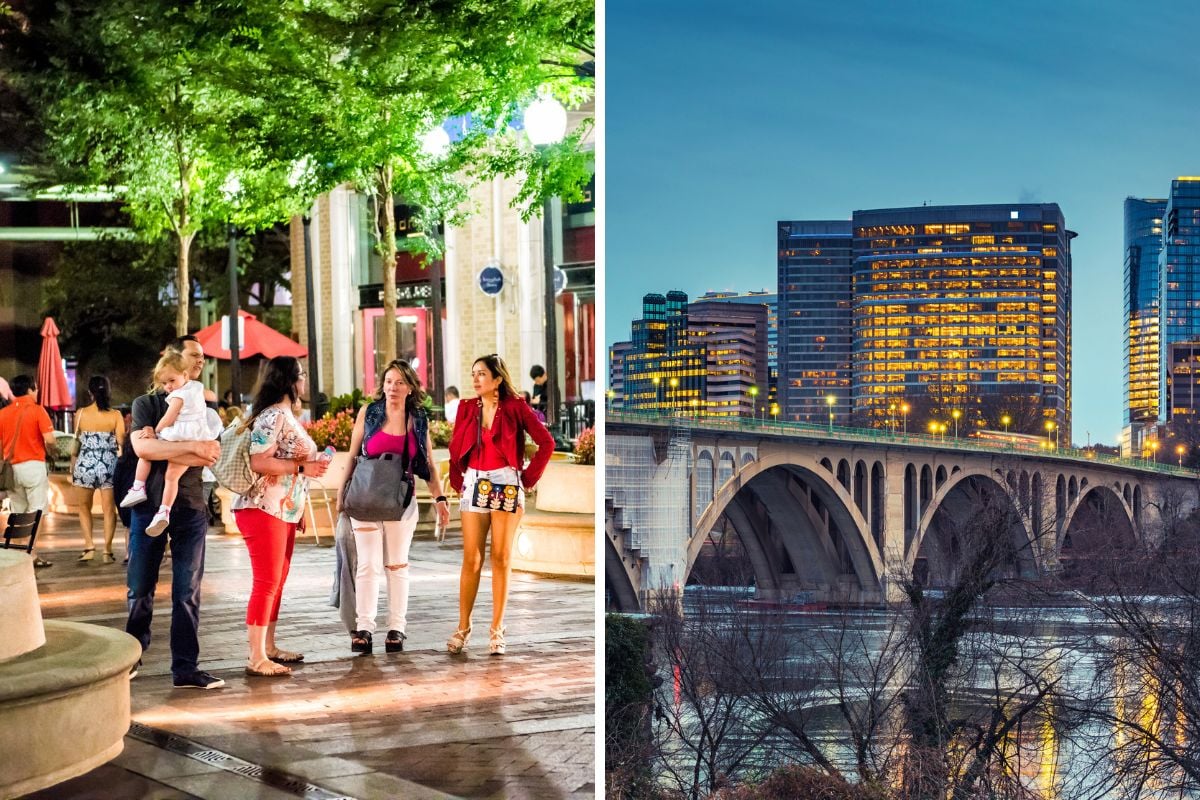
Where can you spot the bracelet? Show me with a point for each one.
(441, 498)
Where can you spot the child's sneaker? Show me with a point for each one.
(207, 476)
(159, 523)
(134, 497)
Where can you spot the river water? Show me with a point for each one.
(1058, 754)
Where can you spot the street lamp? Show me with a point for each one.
(892, 417)
(695, 412)
(775, 412)
(546, 124)
(829, 401)
(674, 393)
(904, 414)
(1050, 426)
(657, 393)
(1154, 450)
(956, 414)
(754, 400)
(933, 429)
(1180, 450)
(1004, 421)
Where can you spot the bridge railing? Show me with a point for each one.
(875, 436)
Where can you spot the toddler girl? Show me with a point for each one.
(187, 419)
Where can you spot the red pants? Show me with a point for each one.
(270, 541)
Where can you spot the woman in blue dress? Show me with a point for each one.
(99, 429)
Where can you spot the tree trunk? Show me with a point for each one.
(388, 255)
(183, 284)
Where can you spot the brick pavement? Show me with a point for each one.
(416, 724)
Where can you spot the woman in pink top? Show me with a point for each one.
(394, 423)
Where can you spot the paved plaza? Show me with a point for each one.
(417, 724)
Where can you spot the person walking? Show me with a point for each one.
(26, 436)
(487, 467)
(99, 432)
(395, 422)
(187, 529)
(283, 456)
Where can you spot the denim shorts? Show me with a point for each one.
(504, 475)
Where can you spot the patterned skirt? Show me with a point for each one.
(97, 460)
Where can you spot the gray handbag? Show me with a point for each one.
(380, 488)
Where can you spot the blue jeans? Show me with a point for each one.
(187, 532)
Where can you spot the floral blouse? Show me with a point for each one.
(282, 496)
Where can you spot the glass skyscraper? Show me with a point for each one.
(1143, 244)
(1179, 289)
(814, 304)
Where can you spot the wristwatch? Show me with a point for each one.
(441, 498)
(300, 469)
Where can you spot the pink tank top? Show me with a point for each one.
(383, 442)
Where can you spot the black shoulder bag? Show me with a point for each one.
(380, 488)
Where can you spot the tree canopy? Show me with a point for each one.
(206, 114)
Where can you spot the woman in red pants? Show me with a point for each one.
(487, 467)
(283, 456)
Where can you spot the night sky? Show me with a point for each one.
(722, 119)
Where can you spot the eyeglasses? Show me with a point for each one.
(302, 374)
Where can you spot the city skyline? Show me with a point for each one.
(813, 114)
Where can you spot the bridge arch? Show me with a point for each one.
(935, 542)
(620, 593)
(1098, 526)
(705, 482)
(816, 521)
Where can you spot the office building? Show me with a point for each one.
(815, 259)
(768, 397)
(946, 308)
(734, 338)
(1179, 288)
(1143, 244)
(704, 358)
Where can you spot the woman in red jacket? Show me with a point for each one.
(487, 467)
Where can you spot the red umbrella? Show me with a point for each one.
(260, 339)
(53, 392)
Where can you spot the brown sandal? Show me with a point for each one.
(269, 670)
(286, 657)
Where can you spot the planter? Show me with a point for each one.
(558, 535)
(567, 487)
(64, 689)
(63, 497)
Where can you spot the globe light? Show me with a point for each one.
(436, 142)
(232, 186)
(545, 121)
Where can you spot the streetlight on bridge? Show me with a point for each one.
(1179, 451)
(904, 414)
(674, 394)
(754, 400)
(1050, 426)
(1004, 421)
(775, 412)
(829, 401)
(956, 414)
(1154, 450)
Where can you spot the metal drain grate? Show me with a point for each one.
(274, 778)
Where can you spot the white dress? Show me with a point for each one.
(194, 423)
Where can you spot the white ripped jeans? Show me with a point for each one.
(371, 539)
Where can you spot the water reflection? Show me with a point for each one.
(1010, 655)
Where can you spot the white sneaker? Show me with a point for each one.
(207, 476)
(159, 524)
(134, 497)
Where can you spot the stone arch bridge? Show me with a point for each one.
(831, 515)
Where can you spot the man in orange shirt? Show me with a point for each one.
(26, 433)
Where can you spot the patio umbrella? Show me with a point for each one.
(53, 392)
(259, 339)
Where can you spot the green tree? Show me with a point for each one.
(385, 74)
(163, 101)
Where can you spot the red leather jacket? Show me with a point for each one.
(513, 414)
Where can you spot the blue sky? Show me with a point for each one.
(723, 118)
